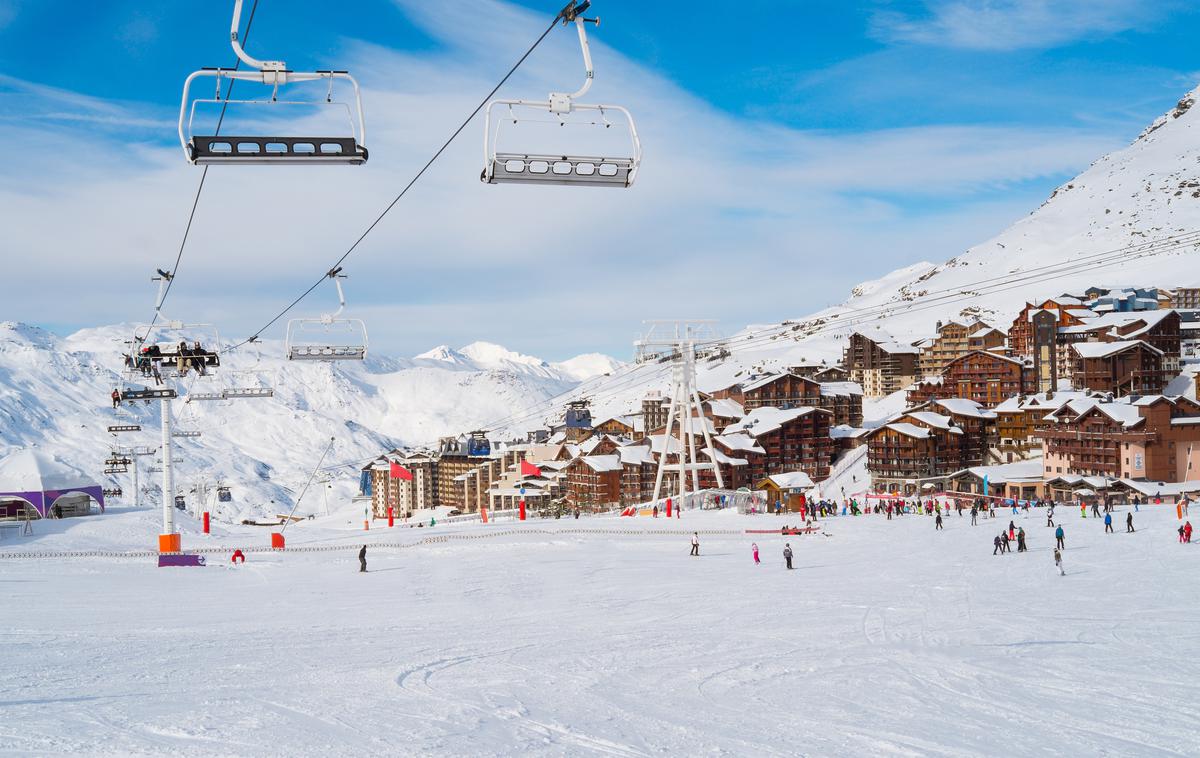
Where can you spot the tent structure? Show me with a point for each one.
(42, 481)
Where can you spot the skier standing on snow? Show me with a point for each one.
(974, 515)
(1108, 523)
(1050, 516)
(1058, 562)
(754, 551)
(1129, 522)
(1012, 530)
(1059, 541)
(116, 397)
(937, 522)
(996, 545)
(362, 559)
(696, 544)
(787, 554)
(1021, 540)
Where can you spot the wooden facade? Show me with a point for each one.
(1154, 438)
(1122, 368)
(986, 378)
(880, 366)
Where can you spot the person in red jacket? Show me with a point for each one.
(1187, 532)
(238, 555)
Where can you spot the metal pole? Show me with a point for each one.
(168, 481)
(137, 495)
(662, 459)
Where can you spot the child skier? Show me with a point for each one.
(1058, 562)
(754, 552)
(787, 554)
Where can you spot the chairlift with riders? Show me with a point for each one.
(210, 148)
(168, 342)
(328, 338)
(547, 167)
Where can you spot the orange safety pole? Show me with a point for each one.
(391, 517)
(522, 514)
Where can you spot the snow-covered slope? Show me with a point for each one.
(1081, 236)
(54, 394)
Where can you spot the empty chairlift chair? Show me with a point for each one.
(547, 166)
(328, 338)
(205, 149)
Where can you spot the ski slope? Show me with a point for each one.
(889, 639)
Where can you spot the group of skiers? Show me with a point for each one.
(148, 358)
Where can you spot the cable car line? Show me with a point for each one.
(568, 10)
(170, 276)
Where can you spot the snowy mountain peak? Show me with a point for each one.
(443, 353)
(491, 355)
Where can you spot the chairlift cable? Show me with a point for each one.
(199, 189)
(407, 187)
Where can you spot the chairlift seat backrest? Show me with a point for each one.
(248, 392)
(204, 150)
(327, 352)
(514, 168)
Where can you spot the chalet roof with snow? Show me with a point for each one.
(1089, 350)
(726, 408)
(765, 420)
(602, 463)
(964, 407)
(841, 389)
(792, 480)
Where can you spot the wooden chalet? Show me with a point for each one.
(1132, 367)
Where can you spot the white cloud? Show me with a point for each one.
(732, 218)
(1013, 24)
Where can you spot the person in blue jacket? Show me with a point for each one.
(1058, 538)
(1108, 522)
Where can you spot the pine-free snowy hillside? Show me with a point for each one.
(54, 393)
(1145, 192)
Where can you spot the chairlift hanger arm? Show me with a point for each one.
(276, 71)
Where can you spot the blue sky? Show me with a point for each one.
(782, 141)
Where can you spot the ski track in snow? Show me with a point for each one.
(890, 639)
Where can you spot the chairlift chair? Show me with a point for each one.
(506, 167)
(249, 383)
(158, 345)
(314, 339)
(117, 428)
(186, 433)
(208, 149)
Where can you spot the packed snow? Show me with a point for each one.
(601, 636)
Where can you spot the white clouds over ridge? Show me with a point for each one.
(720, 197)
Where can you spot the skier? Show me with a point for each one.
(1187, 531)
(937, 522)
(974, 515)
(1021, 540)
(754, 552)
(655, 511)
(1129, 522)
(362, 560)
(1059, 539)
(1180, 530)
(238, 555)
(1050, 516)
(1012, 530)
(1058, 562)
(1108, 523)
(996, 545)
(116, 397)
(1005, 548)
(787, 554)
(696, 544)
